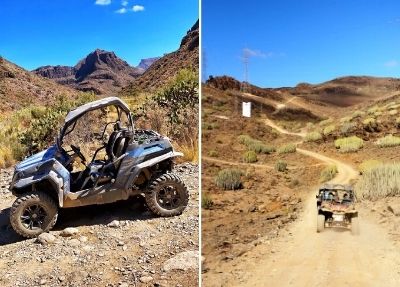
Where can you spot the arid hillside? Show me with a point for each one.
(168, 66)
(260, 177)
(20, 88)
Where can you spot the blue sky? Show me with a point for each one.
(292, 41)
(56, 32)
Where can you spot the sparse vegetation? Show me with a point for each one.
(372, 110)
(398, 122)
(379, 182)
(368, 164)
(346, 119)
(347, 128)
(255, 145)
(280, 166)
(250, 156)
(213, 153)
(329, 129)
(326, 122)
(388, 141)
(288, 148)
(349, 144)
(33, 128)
(393, 112)
(358, 114)
(206, 201)
(229, 179)
(313, 136)
(328, 173)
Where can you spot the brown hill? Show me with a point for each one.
(100, 71)
(165, 68)
(19, 88)
(348, 91)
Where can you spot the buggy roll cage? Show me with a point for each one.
(74, 115)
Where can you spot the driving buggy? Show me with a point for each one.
(127, 162)
(336, 207)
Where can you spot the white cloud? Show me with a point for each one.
(124, 3)
(137, 8)
(256, 53)
(103, 2)
(391, 64)
(121, 11)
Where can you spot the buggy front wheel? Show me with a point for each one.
(355, 226)
(33, 213)
(167, 195)
(320, 222)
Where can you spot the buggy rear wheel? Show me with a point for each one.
(167, 195)
(355, 226)
(320, 222)
(33, 213)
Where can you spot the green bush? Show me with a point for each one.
(349, 144)
(313, 136)
(206, 201)
(379, 182)
(329, 129)
(229, 179)
(288, 148)
(250, 156)
(368, 164)
(388, 141)
(281, 166)
(328, 173)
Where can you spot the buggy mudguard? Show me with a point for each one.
(50, 170)
(134, 166)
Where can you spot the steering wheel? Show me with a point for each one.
(78, 152)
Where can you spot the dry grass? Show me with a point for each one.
(379, 182)
(190, 151)
(6, 157)
(329, 129)
(368, 164)
(250, 156)
(388, 141)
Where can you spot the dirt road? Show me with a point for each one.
(302, 257)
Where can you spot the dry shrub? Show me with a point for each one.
(349, 144)
(313, 136)
(328, 173)
(229, 179)
(288, 148)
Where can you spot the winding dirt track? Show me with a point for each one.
(334, 257)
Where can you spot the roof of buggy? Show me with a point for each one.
(110, 101)
(333, 186)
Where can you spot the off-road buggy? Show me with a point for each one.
(133, 162)
(336, 207)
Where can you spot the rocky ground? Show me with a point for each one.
(120, 244)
